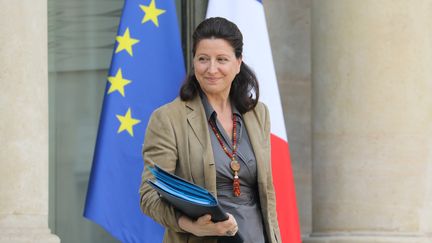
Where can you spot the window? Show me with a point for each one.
(81, 40)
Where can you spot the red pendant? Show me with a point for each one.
(236, 186)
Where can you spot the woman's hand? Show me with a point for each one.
(203, 226)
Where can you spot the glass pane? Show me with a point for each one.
(81, 40)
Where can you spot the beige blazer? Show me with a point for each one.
(178, 139)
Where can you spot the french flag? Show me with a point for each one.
(249, 16)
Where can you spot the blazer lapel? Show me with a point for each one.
(260, 148)
(256, 138)
(198, 122)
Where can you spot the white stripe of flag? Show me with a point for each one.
(249, 16)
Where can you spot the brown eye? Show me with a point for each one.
(202, 59)
(222, 60)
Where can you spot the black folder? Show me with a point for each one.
(193, 200)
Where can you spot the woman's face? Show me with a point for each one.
(215, 66)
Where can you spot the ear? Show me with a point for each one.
(240, 61)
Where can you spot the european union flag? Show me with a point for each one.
(146, 72)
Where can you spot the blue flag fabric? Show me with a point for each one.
(146, 71)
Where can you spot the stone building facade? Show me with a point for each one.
(356, 84)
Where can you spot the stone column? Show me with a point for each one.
(24, 122)
(372, 121)
(291, 56)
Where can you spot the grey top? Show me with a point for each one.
(245, 208)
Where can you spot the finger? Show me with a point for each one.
(231, 221)
(231, 232)
(234, 230)
(204, 219)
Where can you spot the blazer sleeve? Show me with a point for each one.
(160, 147)
(270, 187)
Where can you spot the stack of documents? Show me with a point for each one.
(193, 200)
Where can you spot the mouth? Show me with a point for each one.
(212, 79)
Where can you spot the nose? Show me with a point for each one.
(212, 68)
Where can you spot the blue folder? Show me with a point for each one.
(193, 200)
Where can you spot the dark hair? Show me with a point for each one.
(244, 83)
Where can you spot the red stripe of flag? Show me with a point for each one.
(285, 191)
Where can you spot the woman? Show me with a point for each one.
(216, 135)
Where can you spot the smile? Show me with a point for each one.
(212, 79)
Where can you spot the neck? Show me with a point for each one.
(221, 105)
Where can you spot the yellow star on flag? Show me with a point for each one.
(151, 13)
(127, 122)
(125, 42)
(118, 83)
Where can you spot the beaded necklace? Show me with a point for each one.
(234, 164)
